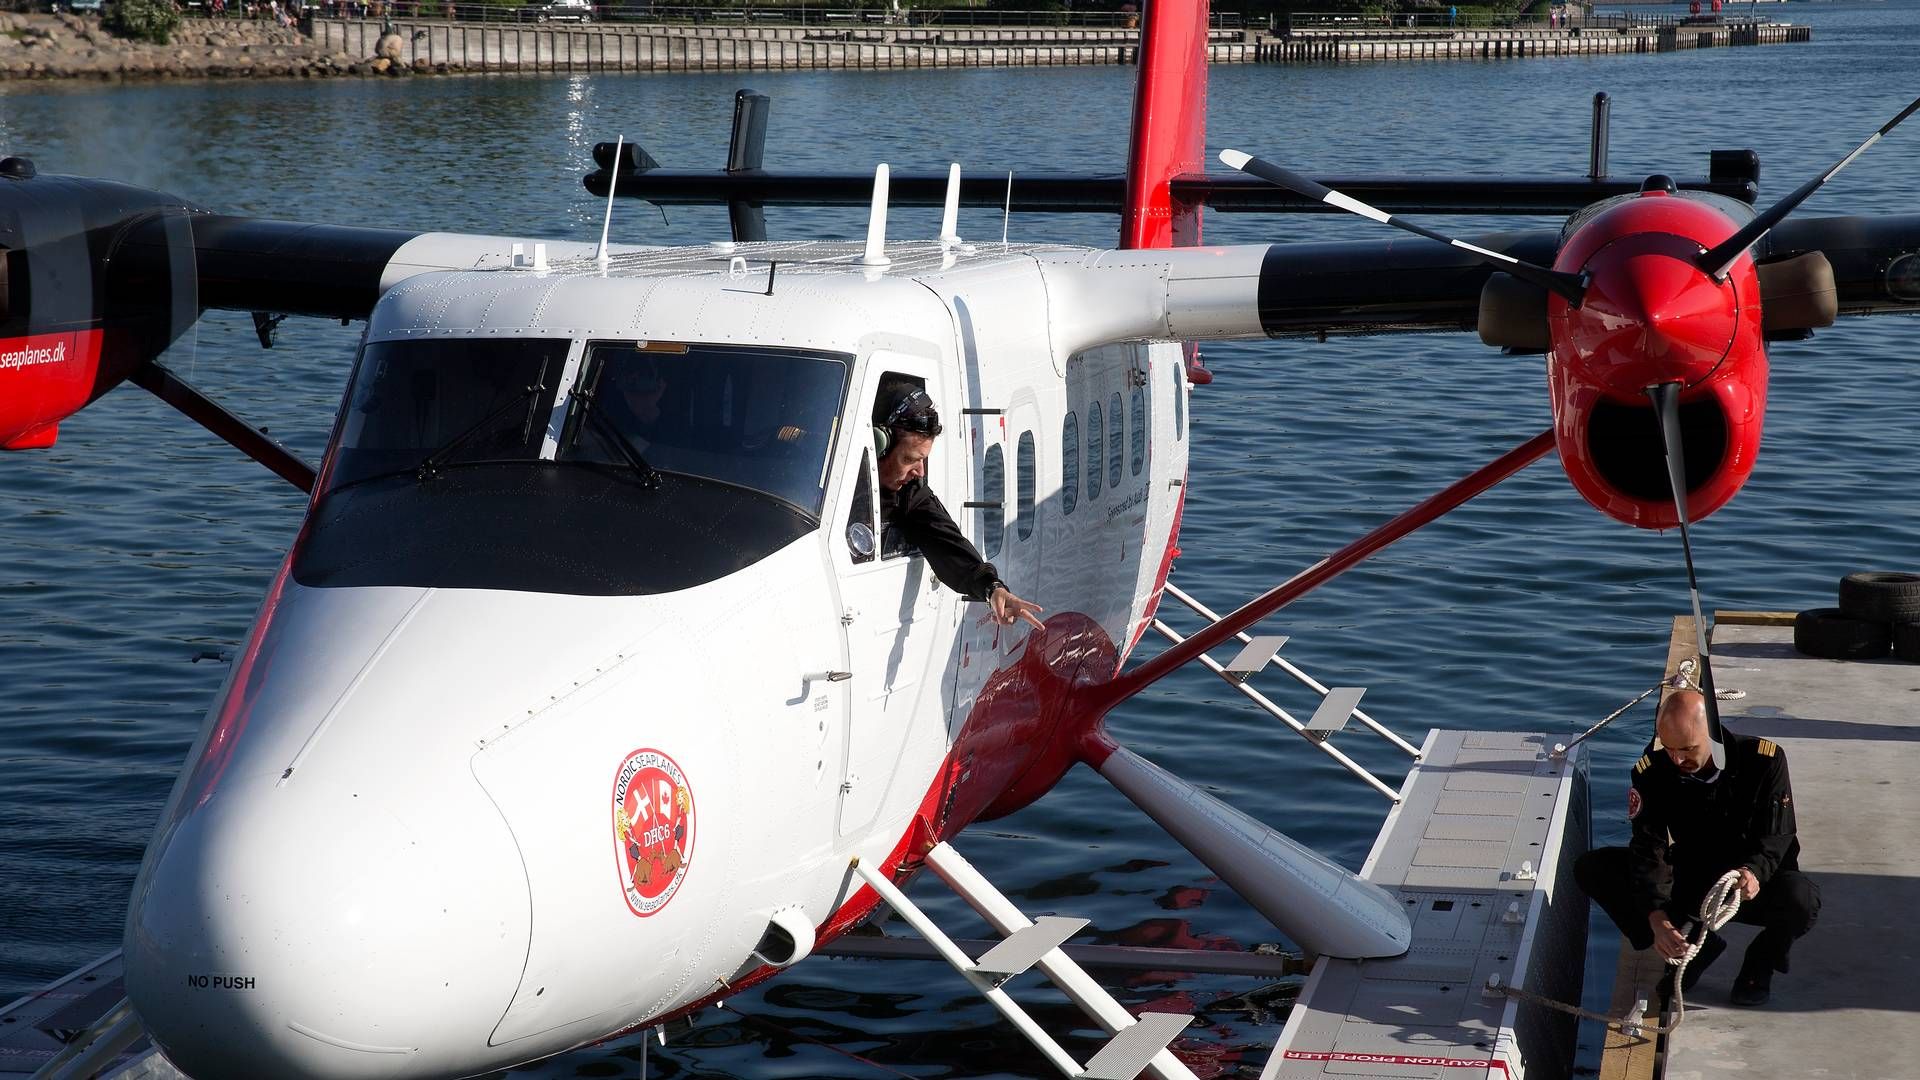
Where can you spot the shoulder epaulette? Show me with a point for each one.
(1765, 748)
(1642, 765)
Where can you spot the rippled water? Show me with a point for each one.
(139, 542)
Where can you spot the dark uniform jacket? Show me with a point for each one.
(922, 521)
(1689, 832)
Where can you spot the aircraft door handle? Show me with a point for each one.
(827, 676)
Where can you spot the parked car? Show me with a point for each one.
(563, 11)
(80, 7)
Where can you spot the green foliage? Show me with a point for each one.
(142, 20)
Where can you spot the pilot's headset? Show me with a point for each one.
(883, 431)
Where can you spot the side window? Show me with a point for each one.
(1096, 446)
(860, 542)
(1179, 397)
(1069, 464)
(892, 544)
(1138, 419)
(993, 506)
(1116, 440)
(1023, 483)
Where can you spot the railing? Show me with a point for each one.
(796, 14)
(1484, 20)
(1239, 682)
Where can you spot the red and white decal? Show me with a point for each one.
(1633, 803)
(43, 379)
(1399, 1059)
(653, 829)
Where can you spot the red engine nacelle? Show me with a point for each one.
(1651, 316)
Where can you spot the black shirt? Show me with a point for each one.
(1699, 829)
(922, 521)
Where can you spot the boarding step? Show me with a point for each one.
(1138, 1045)
(1480, 854)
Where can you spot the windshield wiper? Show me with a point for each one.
(429, 466)
(649, 477)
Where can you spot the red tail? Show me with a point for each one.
(1169, 125)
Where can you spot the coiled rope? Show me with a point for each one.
(1717, 908)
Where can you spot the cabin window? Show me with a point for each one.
(993, 506)
(1116, 440)
(1179, 397)
(860, 540)
(1139, 432)
(1024, 483)
(1096, 449)
(1069, 463)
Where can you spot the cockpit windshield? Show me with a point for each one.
(755, 418)
(419, 405)
(626, 468)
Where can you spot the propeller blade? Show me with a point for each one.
(1717, 261)
(1571, 286)
(1666, 402)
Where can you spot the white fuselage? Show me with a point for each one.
(438, 829)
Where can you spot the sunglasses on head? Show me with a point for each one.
(899, 418)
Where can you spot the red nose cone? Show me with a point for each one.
(1650, 316)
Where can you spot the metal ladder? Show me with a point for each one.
(1139, 1044)
(1337, 704)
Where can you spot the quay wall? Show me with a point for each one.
(71, 46)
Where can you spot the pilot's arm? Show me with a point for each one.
(925, 523)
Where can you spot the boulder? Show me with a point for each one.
(390, 47)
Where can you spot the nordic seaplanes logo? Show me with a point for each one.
(653, 829)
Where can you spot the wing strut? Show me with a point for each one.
(1107, 695)
(210, 414)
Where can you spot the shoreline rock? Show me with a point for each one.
(77, 47)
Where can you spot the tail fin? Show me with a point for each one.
(1169, 125)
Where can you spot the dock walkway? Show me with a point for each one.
(1851, 1007)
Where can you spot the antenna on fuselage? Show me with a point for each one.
(950, 217)
(1006, 212)
(876, 253)
(613, 185)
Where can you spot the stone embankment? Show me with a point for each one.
(78, 47)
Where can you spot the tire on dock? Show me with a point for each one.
(1906, 641)
(1881, 596)
(1830, 634)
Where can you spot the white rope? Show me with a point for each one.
(1717, 908)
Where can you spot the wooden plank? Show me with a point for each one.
(1626, 1057)
(1753, 618)
(1631, 1057)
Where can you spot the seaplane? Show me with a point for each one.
(597, 688)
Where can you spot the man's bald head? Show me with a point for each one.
(1682, 727)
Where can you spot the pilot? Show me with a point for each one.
(634, 404)
(905, 423)
(1692, 823)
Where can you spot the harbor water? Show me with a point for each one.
(140, 543)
